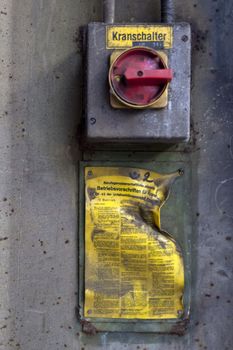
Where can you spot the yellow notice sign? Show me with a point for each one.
(125, 36)
(133, 269)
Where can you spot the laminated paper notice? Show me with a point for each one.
(133, 269)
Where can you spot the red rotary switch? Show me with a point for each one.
(139, 76)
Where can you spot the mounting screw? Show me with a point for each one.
(185, 38)
(92, 121)
(179, 313)
(181, 171)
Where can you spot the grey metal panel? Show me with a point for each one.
(105, 124)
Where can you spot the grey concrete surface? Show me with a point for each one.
(40, 106)
(40, 99)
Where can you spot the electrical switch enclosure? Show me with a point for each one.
(108, 125)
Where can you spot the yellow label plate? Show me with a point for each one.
(133, 269)
(123, 37)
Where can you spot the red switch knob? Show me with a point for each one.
(139, 76)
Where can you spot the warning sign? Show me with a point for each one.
(125, 36)
(133, 269)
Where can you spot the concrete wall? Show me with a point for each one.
(40, 99)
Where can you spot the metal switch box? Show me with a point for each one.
(108, 124)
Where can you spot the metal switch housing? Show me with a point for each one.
(108, 125)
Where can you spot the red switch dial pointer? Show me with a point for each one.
(148, 77)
